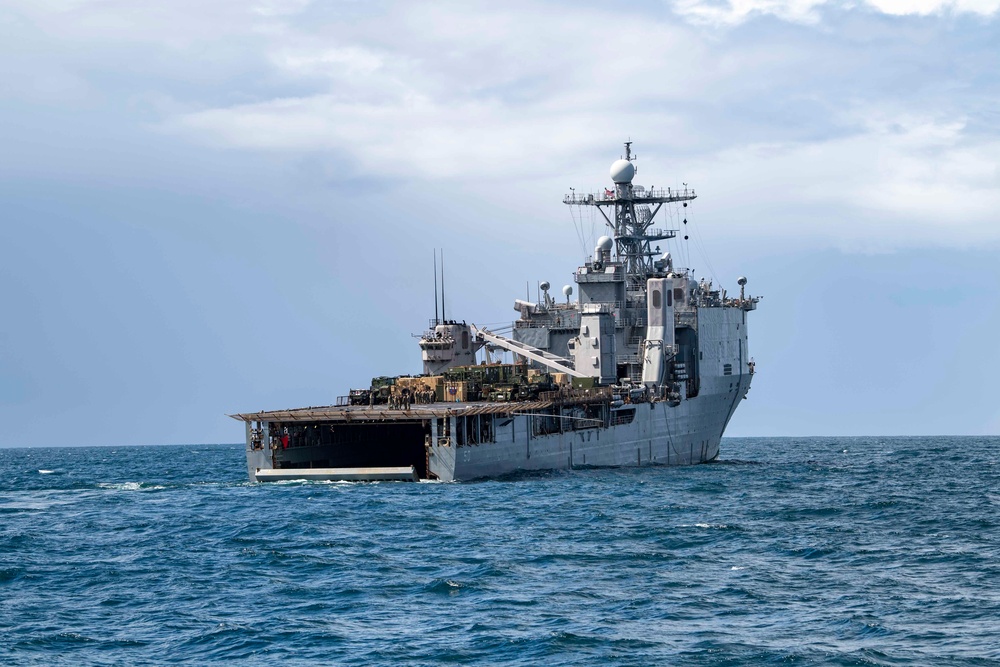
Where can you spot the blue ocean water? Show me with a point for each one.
(815, 551)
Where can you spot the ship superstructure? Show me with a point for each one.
(646, 367)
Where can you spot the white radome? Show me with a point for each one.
(605, 243)
(567, 290)
(622, 171)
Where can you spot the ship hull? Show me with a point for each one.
(657, 434)
(439, 441)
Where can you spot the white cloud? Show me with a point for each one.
(927, 7)
(101, 24)
(353, 60)
(903, 180)
(462, 94)
(280, 7)
(733, 12)
(413, 137)
(853, 124)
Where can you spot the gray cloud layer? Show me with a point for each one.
(877, 112)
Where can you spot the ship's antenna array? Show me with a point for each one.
(437, 321)
(442, 318)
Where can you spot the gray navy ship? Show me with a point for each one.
(646, 367)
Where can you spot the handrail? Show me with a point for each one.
(666, 194)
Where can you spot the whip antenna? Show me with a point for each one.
(436, 320)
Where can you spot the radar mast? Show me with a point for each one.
(630, 213)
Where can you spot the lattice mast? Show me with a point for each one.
(632, 212)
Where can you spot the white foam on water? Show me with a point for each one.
(125, 486)
(45, 472)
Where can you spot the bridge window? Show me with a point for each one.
(657, 300)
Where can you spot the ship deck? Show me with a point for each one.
(418, 411)
(349, 413)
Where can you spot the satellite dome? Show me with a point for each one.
(544, 285)
(567, 290)
(605, 243)
(622, 171)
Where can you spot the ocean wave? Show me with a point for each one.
(154, 555)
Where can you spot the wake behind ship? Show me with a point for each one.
(645, 368)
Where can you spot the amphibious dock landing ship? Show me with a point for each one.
(645, 368)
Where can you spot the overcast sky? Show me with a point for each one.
(217, 206)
